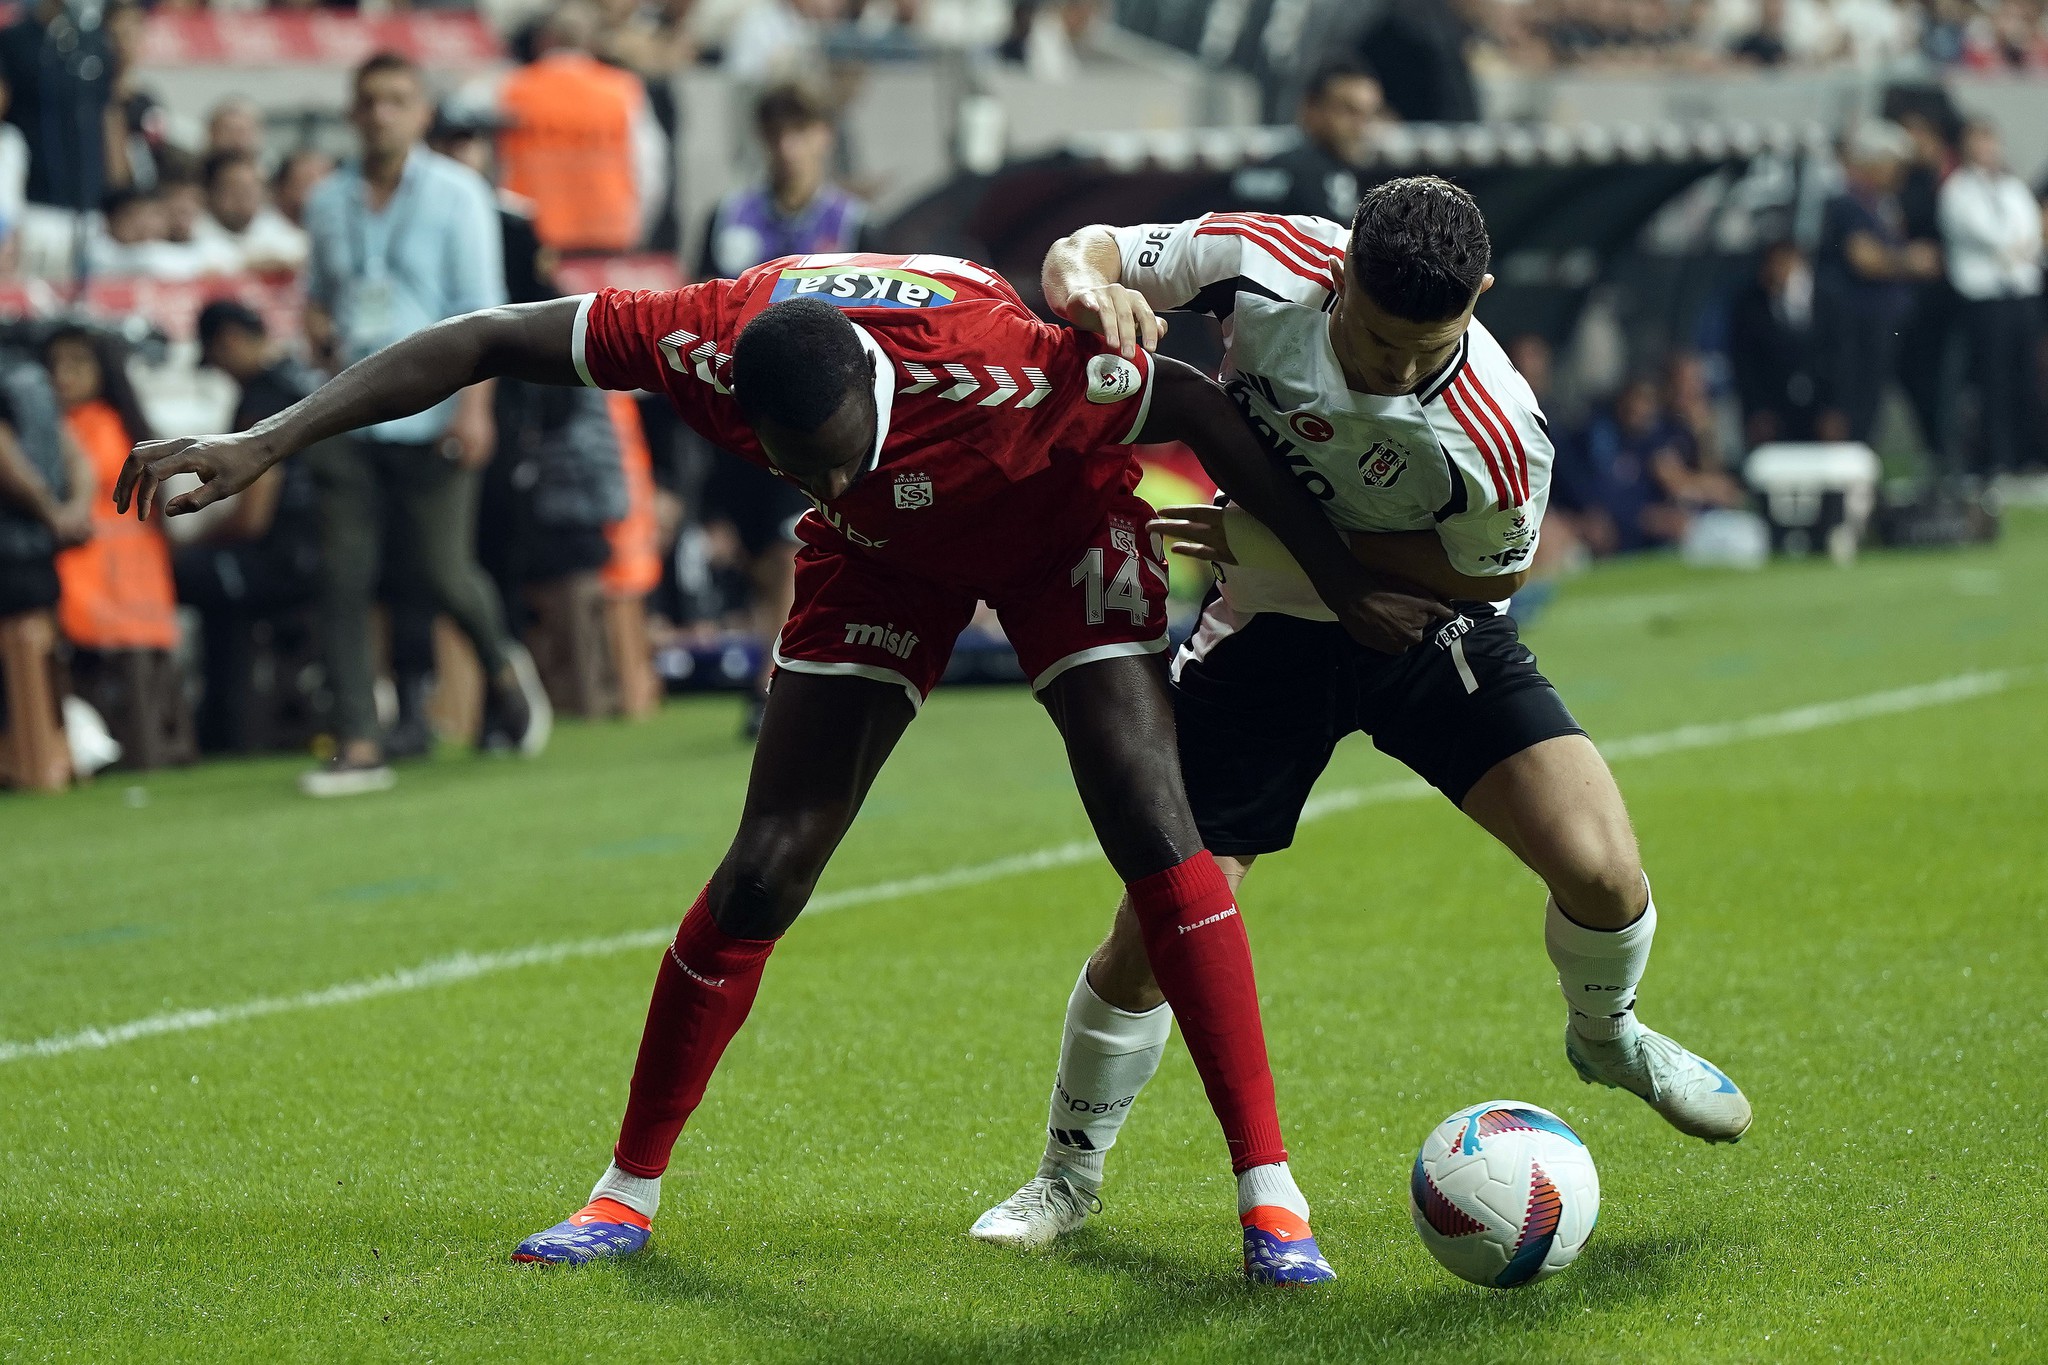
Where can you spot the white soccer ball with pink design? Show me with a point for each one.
(1504, 1193)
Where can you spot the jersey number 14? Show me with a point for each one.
(1120, 592)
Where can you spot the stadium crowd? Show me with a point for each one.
(600, 532)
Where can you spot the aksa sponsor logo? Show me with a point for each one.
(871, 288)
(1111, 379)
(1382, 465)
(887, 638)
(1312, 426)
(913, 491)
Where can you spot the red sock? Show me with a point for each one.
(701, 997)
(1203, 962)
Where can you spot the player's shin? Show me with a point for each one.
(1106, 1057)
(1195, 941)
(702, 994)
(1598, 969)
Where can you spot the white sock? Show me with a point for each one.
(636, 1192)
(1597, 969)
(1272, 1184)
(1106, 1056)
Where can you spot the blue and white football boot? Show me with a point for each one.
(600, 1230)
(1280, 1250)
(1693, 1095)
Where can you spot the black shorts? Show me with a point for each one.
(1260, 709)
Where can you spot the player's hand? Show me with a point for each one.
(1119, 315)
(1390, 620)
(225, 466)
(1196, 531)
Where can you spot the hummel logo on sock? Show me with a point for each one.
(1190, 928)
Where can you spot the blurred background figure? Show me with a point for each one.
(235, 125)
(797, 210)
(240, 220)
(1773, 348)
(293, 183)
(260, 558)
(1340, 110)
(60, 81)
(1865, 272)
(1991, 227)
(580, 140)
(400, 240)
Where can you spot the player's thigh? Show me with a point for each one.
(1456, 705)
(1117, 720)
(1556, 805)
(1258, 710)
(850, 617)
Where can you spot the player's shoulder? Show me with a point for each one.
(1494, 431)
(1482, 375)
(1292, 258)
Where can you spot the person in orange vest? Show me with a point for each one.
(581, 141)
(117, 589)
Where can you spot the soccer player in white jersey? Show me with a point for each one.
(1355, 356)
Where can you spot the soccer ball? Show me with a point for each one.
(1504, 1193)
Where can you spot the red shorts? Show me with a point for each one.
(861, 618)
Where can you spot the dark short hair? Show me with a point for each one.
(796, 362)
(1335, 70)
(123, 196)
(222, 314)
(377, 63)
(791, 104)
(176, 168)
(1419, 248)
(220, 163)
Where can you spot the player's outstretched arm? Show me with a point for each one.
(529, 341)
(1380, 611)
(1232, 535)
(1082, 278)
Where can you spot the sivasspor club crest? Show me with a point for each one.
(1381, 465)
(913, 491)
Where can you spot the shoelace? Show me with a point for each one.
(1057, 1193)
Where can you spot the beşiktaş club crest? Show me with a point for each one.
(913, 491)
(1381, 465)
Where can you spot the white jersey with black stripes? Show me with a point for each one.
(1467, 456)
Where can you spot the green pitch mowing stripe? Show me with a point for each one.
(469, 966)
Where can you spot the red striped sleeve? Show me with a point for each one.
(1453, 400)
(1320, 278)
(1290, 232)
(1472, 396)
(1519, 472)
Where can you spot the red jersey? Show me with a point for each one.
(992, 424)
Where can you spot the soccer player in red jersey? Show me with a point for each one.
(955, 449)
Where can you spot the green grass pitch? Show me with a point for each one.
(1855, 925)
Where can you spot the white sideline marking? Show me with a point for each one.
(467, 966)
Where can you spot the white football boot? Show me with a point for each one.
(1046, 1207)
(1694, 1096)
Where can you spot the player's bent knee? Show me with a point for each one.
(1601, 885)
(767, 877)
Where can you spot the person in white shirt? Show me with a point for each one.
(1991, 227)
(240, 223)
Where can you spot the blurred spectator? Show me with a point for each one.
(132, 240)
(655, 43)
(235, 125)
(1865, 271)
(238, 220)
(262, 557)
(293, 184)
(780, 39)
(1419, 53)
(138, 125)
(1991, 225)
(799, 211)
(1637, 476)
(580, 141)
(1764, 45)
(1923, 365)
(1772, 347)
(13, 172)
(1340, 110)
(117, 586)
(400, 240)
(46, 490)
(60, 77)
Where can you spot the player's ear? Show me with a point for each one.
(1485, 284)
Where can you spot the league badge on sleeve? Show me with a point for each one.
(1111, 378)
(1514, 530)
